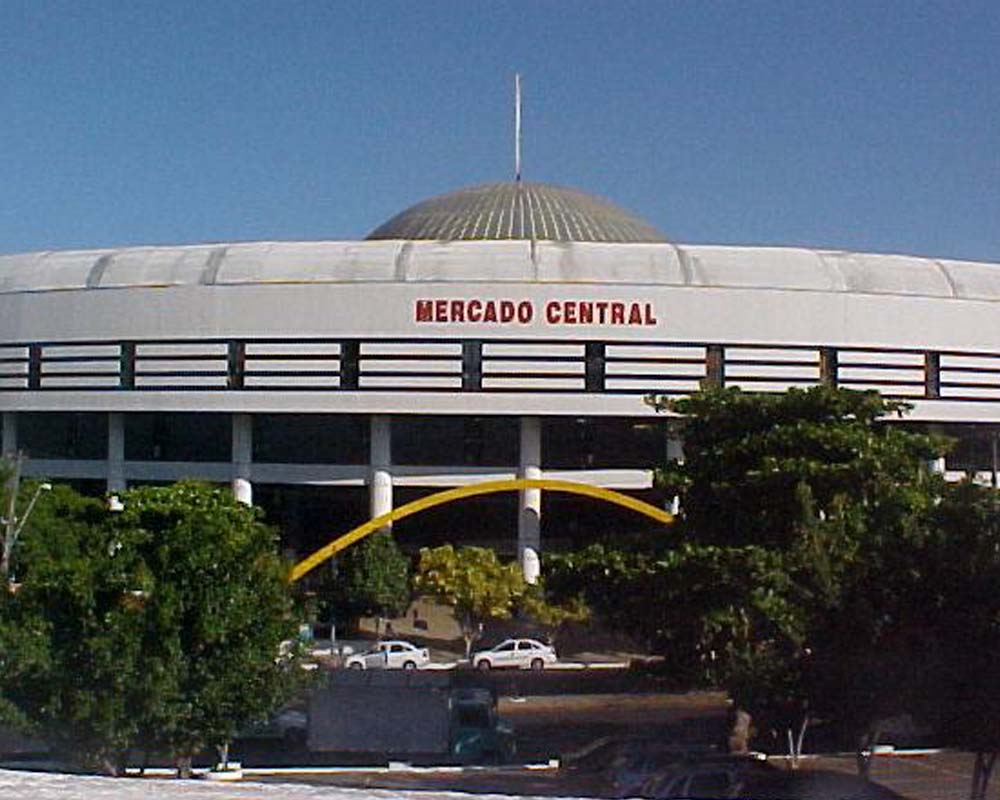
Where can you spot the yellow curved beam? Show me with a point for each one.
(486, 487)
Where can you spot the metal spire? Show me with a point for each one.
(517, 127)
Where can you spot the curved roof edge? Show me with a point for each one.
(706, 266)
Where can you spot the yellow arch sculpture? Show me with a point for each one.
(486, 487)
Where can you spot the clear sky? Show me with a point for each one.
(854, 125)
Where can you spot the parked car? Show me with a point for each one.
(515, 654)
(393, 654)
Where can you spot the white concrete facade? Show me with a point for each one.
(527, 330)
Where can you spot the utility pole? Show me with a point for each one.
(10, 515)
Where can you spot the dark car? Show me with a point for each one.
(814, 784)
(647, 768)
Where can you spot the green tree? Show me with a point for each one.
(824, 572)
(474, 582)
(722, 616)
(746, 457)
(372, 578)
(838, 502)
(536, 604)
(802, 519)
(959, 597)
(160, 626)
(70, 642)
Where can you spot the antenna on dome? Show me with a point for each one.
(517, 127)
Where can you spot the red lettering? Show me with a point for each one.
(556, 312)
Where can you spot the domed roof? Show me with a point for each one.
(517, 211)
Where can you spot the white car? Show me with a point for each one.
(394, 654)
(515, 653)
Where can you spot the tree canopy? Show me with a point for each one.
(157, 628)
(960, 601)
(372, 578)
(798, 555)
(747, 458)
(480, 587)
(473, 581)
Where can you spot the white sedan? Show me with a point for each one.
(516, 654)
(394, 654)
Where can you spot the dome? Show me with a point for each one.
(517, 211)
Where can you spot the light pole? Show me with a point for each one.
(13, 524)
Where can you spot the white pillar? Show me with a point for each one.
(9, 448)
(529, 519)
(938, 465)
(379, 466)
(116, 453)
(242, 459)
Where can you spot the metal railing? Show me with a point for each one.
(490, 366)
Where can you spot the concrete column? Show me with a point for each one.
(529, 520)
(380, 466)
(936, 465)
(116, 453)
(242, 460)
(9, 448)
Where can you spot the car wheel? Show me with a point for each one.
(484, 665)
(537, 664)
(356, 665)
(409, 665)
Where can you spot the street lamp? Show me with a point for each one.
(13, 524)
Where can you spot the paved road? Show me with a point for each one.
(40, 786)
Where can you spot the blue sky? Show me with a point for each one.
(855, 125)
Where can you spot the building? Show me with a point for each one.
(503, 330)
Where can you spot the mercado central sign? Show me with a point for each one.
(523, 312)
